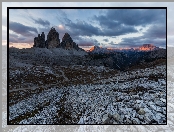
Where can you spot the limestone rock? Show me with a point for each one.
(116, 117)
(141, 111)
(40, 41)
(53, 40)
(105, 119)
(67, 42)
(128, 121)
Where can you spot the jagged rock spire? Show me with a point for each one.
(53, 41)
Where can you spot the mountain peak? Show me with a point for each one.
(94, 48)
(147, 47)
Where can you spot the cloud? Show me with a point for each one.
(75, 28)
(123, 21)
(136, 17)
(83, 41)
(82, 28)
(22, 29)
(156, 31)
(106, 27)
(14, 38)
(106, 40)
(138, 41)
(112, 43)
(117, 31)
(155, 34)
(41, 22)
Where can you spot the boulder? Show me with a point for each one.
(105, 119)
(116, 117)
(141, 111)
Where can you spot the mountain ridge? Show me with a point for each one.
(144, 47)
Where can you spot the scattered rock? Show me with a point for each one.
(116, 117)
(135, 121)
(163, 100)
(153, 107)
(141, 111)
(148, 118)
(109, 115)
(141, 117)
(105, 118)
(160, 103)
(128, 121)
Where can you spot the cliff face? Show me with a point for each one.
(53, 40)
(39, 41)
(67, 42)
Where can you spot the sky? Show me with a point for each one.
(109, 28)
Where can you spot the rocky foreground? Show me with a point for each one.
(87, 95)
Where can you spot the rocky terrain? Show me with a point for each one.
(59, 83)
(104, 128)
(45, 88)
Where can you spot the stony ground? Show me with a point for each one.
(87, 95)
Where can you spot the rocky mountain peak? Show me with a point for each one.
(94, 48)
(67, 37)
(147, 47)
(53, 41)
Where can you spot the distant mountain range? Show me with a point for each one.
(144, 47)
(122, 59)
(125, 58)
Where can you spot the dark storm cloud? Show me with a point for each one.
(108, 27)
(120, 22)
(106, 40)
(133, 17)
(22, 29)
(117, 31)
(106, 22)
(156, 31)
(41, 22)
(82, 28)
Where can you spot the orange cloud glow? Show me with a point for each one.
(20, 45)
